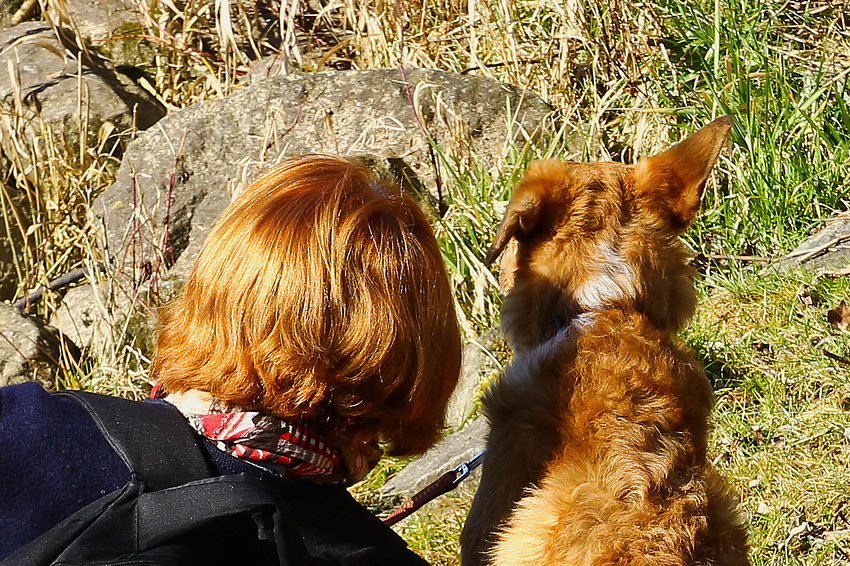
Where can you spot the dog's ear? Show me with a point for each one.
(677, 176)
(520, 217)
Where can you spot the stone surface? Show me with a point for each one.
(91, 313)
(829, 248)
(179, 176)
(109, 313)
(27, 347)
(114, 28)
(100, 19)
(480, 361)
(56, 85)
(445, 456)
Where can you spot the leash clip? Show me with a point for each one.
(444, 484)
(464, 469)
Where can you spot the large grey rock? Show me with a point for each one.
(445, 456)
(101, 19)
(105, 315)
(176, 178)
(481, 361)
(28, 348)
(58, 86)
(829, 248)
(116, 28)
(93, 313)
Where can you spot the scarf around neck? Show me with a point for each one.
(294, 447)
(252, 435)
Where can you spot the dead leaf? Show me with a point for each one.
(839, 317)
(805, 296)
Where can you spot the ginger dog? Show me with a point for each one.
(597, 449)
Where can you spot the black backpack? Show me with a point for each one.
(175, 511)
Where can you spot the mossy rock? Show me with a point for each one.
(127, 48)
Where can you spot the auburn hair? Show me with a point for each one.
(320, 295)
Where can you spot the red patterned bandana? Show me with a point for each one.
(252, 435)
(259, 436)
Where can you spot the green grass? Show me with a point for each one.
(633, 78)
(782, 434)
(465, 232)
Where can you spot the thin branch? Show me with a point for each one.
(441, 205)
(836, 357)
(803, 255)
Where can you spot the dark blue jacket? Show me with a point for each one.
(54, 461)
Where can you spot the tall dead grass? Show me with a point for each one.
(594, 62)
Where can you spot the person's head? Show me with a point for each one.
(320, 295)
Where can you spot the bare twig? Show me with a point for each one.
(836, 357)
(803, 255)
(56, 284)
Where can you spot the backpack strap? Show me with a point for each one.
(153, 439)
(206, 501)
(176, 511)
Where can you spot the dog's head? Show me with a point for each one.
(582, 237)
(320, 295)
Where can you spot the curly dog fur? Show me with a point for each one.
(597, 450)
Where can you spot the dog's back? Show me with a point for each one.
(607, 409)
(629, 482)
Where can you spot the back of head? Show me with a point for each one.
(320, 296)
